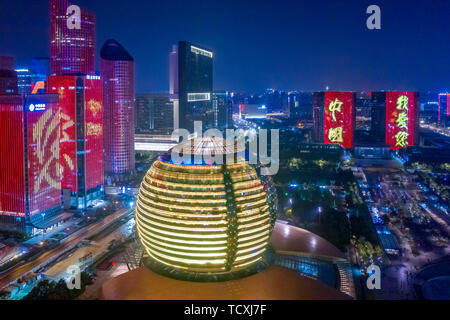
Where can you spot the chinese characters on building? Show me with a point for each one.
(338, 120)
(400, 119)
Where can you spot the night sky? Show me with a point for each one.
(281, 44)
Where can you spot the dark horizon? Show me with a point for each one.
(289, 45)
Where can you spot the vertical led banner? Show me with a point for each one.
(93, 96)
(43, 139)
(65, 87)
(400, 119)
(338, 123)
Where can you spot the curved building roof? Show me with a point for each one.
(274, 283)
(288, 239)
(112, 50)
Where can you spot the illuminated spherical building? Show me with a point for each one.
(209, 233)
(201, 220)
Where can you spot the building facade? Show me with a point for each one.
(30, 177)
(223, 110)
(191, 85)
(117, 70)
(318, 116)
(8, 77)
(334, 118)
(402, 119)
(72, 39)
(81, 137)
(378, 117)
(444, 109)
(300, 105)
(154, 113)
(24, 80)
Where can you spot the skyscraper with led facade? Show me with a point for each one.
(72, 39)
(81, 134)
(402, 119)
(117, 70)
(334, 118)
(30, 177)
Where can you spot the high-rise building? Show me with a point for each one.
(318, 115)
(7, 62)
(378, 117)
(402, 119)
(154, 113)
(300, 105)
(28, 78)
(191, 85)
(143, 114)
(40, 69)
(24, 80)
(334, 118)
(8, 77)
(339, 118)
(444, 108)
(72, 39)
(223, 110)
(30, 177)
(81, 144)
(117, 70)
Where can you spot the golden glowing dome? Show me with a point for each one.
(203, 219)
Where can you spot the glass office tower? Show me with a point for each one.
(191, 85)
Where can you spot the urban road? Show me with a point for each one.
(16, 272)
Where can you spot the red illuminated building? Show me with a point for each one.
(72, 39)
(81, 144)
(402, 119)
(339, 118)
(117, 70)
(30, 178)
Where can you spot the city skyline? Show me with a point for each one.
(319, 42)
(123, 177)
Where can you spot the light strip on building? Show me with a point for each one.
(203, 52)
(200, 96)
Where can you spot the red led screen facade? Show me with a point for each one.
(12, 166)
(44, 176)
(30, 178)
(339, 118)
(65, 86)
(93, 132)
(401, 119)
(72, 45)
